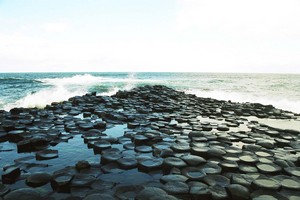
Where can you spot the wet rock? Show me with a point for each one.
(101, 145)
(248, 158)
(38, 179)
(127, 163)
(110, 155)
(266, 144)
(16, 135)
(211, 168)
(293, 171)
(140, 140)
(25, 146)
(176, 188)
(143, 149)
(4, 190)
(241, 179)
(266, 183)
(199, 190)
(268, 168)
(238, 192)
(171, 162)
(148, 165)
(266, 195)
(245, 168)
(150, 192)
(288, 182)
(24, 194)
(218, 192)
(82, 164)
(193, 160)
(82, 180)
(99, 196)
(61, 182)
(193, 173)
(10, 175)
(46, 154)
(216, 180)
(229, 166)
(128, 191)
(215, 153)
(181, 147)
(173, 178)
(111, 168)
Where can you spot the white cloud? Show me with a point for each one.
(56, 27)
(216, 35)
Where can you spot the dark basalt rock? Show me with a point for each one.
(82, 180)
(238, 192)
(199, 190)
(288, 182)
(193, 173)
(38, 179)
(212, 180)
(183, 140)
(62, 182)
(173, 178)
(23, 193)
(171, 162)
(193, 160)
(266, 194)
(4, 190)
(46, 154)
(266, 183)
(268, 168)
(148, 165)
(218, 192)
(127, 163)
(149, 193)
(293, 171)
(82, 164)
(16, 135)
(10, 175)
(99, 196)
(101, 145)
(176, 188)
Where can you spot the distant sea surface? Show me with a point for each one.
(40, 89)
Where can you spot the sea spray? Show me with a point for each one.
(39, 89)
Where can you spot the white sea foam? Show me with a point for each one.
(88, 79)
(45, 96)
(278, 102)
(64, 88)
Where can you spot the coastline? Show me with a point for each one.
(152, 134)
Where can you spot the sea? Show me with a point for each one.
(40, 89)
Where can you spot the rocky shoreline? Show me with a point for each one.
(148, 143)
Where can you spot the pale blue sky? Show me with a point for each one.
(150, 35)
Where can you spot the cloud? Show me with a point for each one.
(56, 27)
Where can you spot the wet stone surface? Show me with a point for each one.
(151, 142)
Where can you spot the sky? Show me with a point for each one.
(150, 35)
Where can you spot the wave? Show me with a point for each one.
(281, 103)
(17, 80)
(88, 79)
(62, 89)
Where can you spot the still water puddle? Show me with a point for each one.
(69, 153)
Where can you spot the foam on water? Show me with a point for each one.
(45, 96)
(63, 88)
(278, 102)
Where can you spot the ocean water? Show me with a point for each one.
(40, 89)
